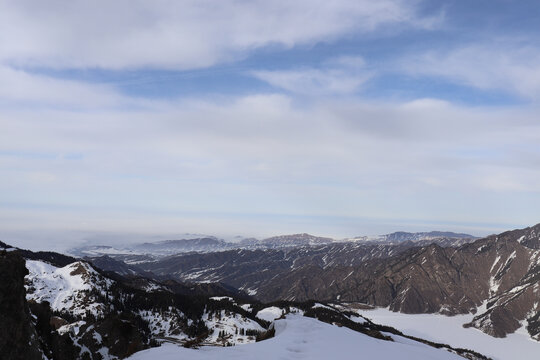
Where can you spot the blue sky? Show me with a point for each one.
(257, 118)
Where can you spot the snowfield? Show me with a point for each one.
(299, 337)
(450, 330)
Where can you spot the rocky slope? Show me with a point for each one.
(252, 270)
(500, 272)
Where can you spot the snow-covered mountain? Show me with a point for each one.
(76, 288)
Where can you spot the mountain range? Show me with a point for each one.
(207, 291)
(148, 251)
(495, 277)
(53, 310)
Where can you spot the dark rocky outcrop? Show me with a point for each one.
(18, 337)
(121, 334)
(53, 345)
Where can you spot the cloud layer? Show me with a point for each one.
(267, 155)
(179, 34)
(343, 119)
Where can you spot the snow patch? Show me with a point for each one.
(495, 263)
(319, 305)
(219, 298)
(247, 307)
(270, 313)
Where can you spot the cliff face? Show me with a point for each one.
(18, 337)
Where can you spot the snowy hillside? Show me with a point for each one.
(70, 288)
(299, 337)
(83, 296)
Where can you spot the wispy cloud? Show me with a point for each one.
(344, 75)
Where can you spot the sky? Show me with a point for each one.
(148, 119)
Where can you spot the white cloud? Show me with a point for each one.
(179, 34)
(339, 76)
(505, 66)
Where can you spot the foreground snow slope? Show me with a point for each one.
(299, 337)
(449, 330)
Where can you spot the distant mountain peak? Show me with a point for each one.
(296, 240)
(404, 236)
